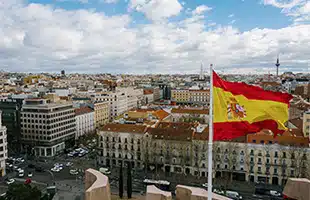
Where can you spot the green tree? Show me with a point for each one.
(23, 192)
(121, 182)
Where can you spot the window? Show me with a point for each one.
(275, 171)
(254, 141)
(262, 141)
(284, 154)
(259, 169)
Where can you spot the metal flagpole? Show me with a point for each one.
(210, 142)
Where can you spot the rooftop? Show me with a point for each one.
(83, 110)
(124, 128)
(190, 111)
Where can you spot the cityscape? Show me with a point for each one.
(154, 100)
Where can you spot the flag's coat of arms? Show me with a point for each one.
(235, 110)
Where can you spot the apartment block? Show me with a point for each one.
(3, 148)
(101, 113)
(47, 128)
(85, 121)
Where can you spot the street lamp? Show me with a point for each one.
(52, 174)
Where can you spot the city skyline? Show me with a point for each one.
(95, 36)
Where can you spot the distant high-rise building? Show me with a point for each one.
(278, 65)
(63, 72)
(201, 76)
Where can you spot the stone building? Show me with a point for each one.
(183, 148)
(101, 113)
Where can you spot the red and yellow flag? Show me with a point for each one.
(240, 109)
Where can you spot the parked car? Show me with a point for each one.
(21, 173)
(105, 171)
(233, 195)
(10, 181)
(30, 174)
(73, 172)
(69, 164)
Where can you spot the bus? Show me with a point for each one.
(161, 184)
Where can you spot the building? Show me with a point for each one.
(120, 100)
(47, 128)
(63, 73)
(85, 121)
(183, 148)
(11, 109)
(120, 143)
(148, 95)
(190, 115)
(189, 96)
(180, 96)
(101, 113)
(3, 148)
(306, 124)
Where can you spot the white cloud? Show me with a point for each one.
(36, 37)
(201, 9)
(232, 21)
(283, 3)
(79, 1)
(156, 9)
(108, 1)
(299, 10)
(231, 15)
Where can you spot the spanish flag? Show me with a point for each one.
(240, 109)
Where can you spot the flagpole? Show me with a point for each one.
(210, 141)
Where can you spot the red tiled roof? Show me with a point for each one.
(82, 110)
(161, 114)
(124, 128)
(190, 111)
(147, 92)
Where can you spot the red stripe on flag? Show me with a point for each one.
(231, 130)
(250, 91)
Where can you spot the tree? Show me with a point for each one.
(230, 160)
(299, 163)
(23, 192)
(197, 155)
(121, 182)
(267, 160)
(129, 181)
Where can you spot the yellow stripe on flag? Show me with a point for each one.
(237, 108)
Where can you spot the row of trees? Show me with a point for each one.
(24, 192)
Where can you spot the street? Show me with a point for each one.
(72, 185)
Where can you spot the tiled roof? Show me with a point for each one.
(82, 110)
(147, 92)
(161, 114)
(124, 128)
(190, 111)
(171, 134)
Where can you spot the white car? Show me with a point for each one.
(275, 193)
(30, 174)
(68, 164)
(10, 181)
(55, 169)
(74, 172)
(21, 173)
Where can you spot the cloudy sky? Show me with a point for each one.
(154, 36)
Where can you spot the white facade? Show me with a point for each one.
(121, 100)
(273, 164)
(149, 98)
(45, 126)
(85, 123)
(3, 148)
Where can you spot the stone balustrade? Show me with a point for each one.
(194, 193)
(153, 193)
(97, 185)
